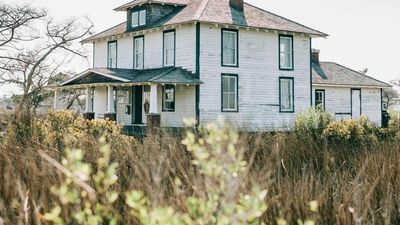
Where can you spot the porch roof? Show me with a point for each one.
(165, 75)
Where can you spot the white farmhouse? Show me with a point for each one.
(346, 93)
(174, 59)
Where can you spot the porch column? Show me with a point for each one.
(56, 94)
(89, 114)
(153, 118)
(153, 99)
(111, 114)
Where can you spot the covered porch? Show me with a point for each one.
(136, 98)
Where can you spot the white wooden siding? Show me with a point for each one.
(185, 106)
(338, 102)
(153, 50)
(258, 74)
(100, 101)
(100, 55)
(125, 53)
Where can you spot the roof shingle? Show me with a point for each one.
(330, 73)
(220, 12)
(165, 75)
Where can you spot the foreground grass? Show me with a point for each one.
(352, 184)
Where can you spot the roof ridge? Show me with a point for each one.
(365, 75)
(202, 10)
(285, 18)
(97, 33)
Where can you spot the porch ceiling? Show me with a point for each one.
(167, 75)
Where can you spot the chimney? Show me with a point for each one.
(315, 55)
(237, 4)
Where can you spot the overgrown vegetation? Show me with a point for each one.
(311, 175)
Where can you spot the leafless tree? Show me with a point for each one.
(389, 96)
(15, 23)
(34, 68)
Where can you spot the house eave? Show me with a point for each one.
(222, 25)
(349, 86)
(128, 6)
(92, 71)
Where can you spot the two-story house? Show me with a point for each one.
(174, 59)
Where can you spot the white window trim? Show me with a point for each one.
(165, 100)
(236, 33)
(236, 98)
(282, 51)
(139, 22)
(111, 59)
(166, 64)
(322, 92)
(290, 93)
(135, 58)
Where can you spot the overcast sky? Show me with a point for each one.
(363, 33)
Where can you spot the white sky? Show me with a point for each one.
(363, 33)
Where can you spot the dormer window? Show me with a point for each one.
(139, 18)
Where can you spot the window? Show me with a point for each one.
(286, 94)
(169, 98)
(139, 18)
(169, 48)
(229, 47)
(112, 55)
(286, 52)
(139, 53)
(320, 99)
(230, 93)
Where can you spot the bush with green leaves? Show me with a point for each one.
(312, 123)
(90, 205)
(222, 168)
(354, 133)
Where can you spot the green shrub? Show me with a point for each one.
(60, 129)
(220, 164)
(355, 133)
(312, 123)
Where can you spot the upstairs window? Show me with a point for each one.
(286, 52)
(169, 48)
(229, 47)
(139, 18)
(286, 95)
(169, 98)
(112, 55)
(320, 99)
(139, 53)
(230, 93)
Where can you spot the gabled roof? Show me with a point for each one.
(165, 75)
(216, 11)
(330, 73)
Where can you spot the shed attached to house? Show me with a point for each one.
(346, 93)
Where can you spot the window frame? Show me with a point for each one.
(323, 100)
(292, 52)
(138, 12)
(236, 76)
(164, 99)
(163, 52)
(108, 54)
(237, 47)
(292, 110)
(134, 52)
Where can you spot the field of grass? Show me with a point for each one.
(353, 182)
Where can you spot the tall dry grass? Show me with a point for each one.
(351, 187)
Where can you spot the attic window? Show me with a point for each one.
(139, 18)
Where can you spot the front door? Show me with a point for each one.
(137, 104)
(356, 103)
(124, 106)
